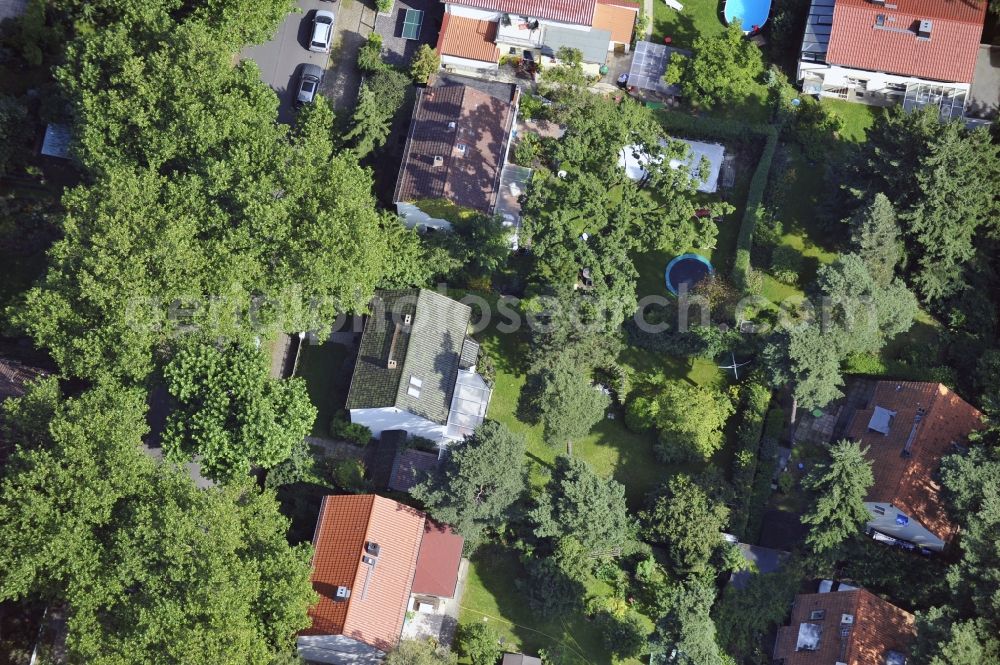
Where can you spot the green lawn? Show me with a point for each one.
(491, 594)
(327, 380)
(699, 17)
(857, 117)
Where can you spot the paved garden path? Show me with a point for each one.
(648, 10)
(355, 21)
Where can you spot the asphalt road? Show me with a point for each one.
(281, 58)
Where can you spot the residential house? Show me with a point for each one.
(846, 627)
(456, 150)
(884, 52)
(475, 34)
(908, 427)
(416, 368)
(374, 560)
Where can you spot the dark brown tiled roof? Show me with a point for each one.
(377, 605)
(438, 561)
(468, 130)
(410, 467)
(877, 628)
(15, 377)
(908, 482)
(470, 38)
(949, 54)
(579, 12)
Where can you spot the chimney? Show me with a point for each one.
(438, 161)
(924, 31)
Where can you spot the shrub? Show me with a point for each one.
(348, 475)
(425, 62)
(370, 55)
(345, 430)
(756, 400)
(528, 149)
(775, 424)
(641, 412)
(384, 6)
(785, 483)
(786, 264)
(478, 642)
(624, 637)
(753, 212)
(533, 107)
(299, 466)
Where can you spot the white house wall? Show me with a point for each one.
(386, 418)
(467, 64)
(472, 12)
(912, 532)
(837, 76)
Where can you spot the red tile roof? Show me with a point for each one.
(379, 595)
(468, 130)
(616, 18)
(580, 12)
(470, 38)
(908, 483)
(878, 627)
(438, 561)
(949, 54)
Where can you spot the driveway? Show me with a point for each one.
(281, 58)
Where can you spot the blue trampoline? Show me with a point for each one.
(687, 270)
(752, 14)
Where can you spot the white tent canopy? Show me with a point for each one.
(634, 160)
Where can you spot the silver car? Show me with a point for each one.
(322, 32)
(309, 80)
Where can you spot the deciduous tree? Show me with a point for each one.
(228, 413)
(725, 69)
(581, 504)
(151, 567)
(689, 519)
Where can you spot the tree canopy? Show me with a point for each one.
(942, 179)
(725, 69)
(689, 519)
(839, 487)
(580, 504)
(200, 210)
(229, 413)
(131, 545)
(478, 483)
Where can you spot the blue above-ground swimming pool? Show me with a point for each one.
(687, 269)
(749, 13)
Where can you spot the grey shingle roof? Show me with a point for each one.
(427, 352)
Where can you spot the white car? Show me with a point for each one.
(322, 33)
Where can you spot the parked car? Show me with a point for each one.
(308, 84)
(322, 33)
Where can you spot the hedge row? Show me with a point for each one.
(744, 242)
(695, 127)
(762, 485)
(745, 464)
